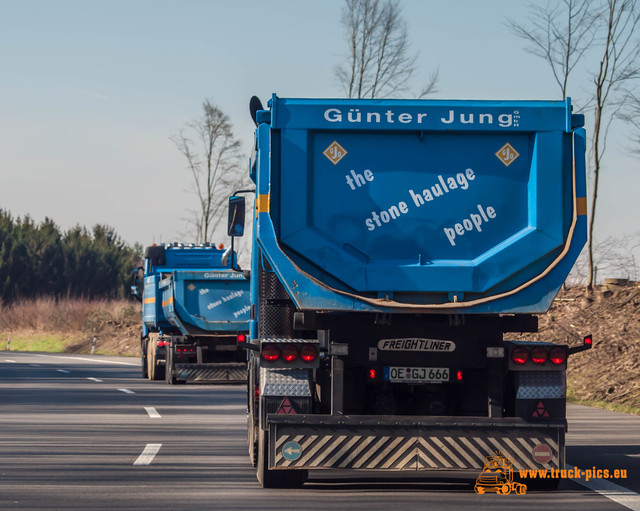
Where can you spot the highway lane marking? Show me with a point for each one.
(62, 371)
(619, 494)
(94, 379)
(10, 361)
(35, 365)
(127, 391)
(94, 360)
(153, 413)
(148, 454)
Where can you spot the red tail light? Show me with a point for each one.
(290, 352)
(538, 355)
(242, 338)
(270, 352)
(520, 355)
(588, 340)
(459, 375)
(372, 374)
(558, 355)
(308, 353)
(161, 344)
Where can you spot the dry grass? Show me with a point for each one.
(74, 323)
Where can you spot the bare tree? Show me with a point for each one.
(379, 62)
(619, 65)
(213, 156)
(560, 33)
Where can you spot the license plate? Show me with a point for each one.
(416, 374)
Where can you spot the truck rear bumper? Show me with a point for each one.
(410, 443)
(220, 372)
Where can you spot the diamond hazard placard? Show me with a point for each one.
(335, 152)
(507, 154)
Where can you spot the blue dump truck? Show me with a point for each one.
(195, 313)
(400, 250)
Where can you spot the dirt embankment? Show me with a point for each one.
(47, 324)
(610, 371)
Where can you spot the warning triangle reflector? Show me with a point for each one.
(286, 407)
(540, 411)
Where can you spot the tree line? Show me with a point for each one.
(41, 260)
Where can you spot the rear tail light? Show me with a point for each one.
(372, 374)
(242, 338)
(520, 355)
(557, 355)
(270, 352)
(308, 353)
(588, 340)
(289, 352)
(538, 355)
(161, 344)
(459, 375)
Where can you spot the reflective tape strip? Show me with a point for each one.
(150, 300)
(167, 302)
(422, 451)
(262, 203)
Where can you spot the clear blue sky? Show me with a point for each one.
(90, 92)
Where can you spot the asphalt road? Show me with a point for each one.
(82, 432)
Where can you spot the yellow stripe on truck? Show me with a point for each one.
(150, 300)
(167, 302)
(262, 203)
(581, 205)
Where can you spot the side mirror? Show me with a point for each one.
(235, 226)
(137, 287)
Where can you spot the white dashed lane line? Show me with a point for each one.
(127, 391)
(619, 494)
(94, 379)
(148, 454)
(153, 413)
(97, 360)
(62, 371)
(10, 361)
(34, 365)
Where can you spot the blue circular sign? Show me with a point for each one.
(292, 451)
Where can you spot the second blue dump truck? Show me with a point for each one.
(400, 248)
(195, 312)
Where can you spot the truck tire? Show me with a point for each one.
(168, 368)
(151, 365)
(275, 478)
(252, 427)
(143, 358)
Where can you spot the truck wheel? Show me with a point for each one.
(252, 438)
(168, 368)
(251, 441)
(275, 478)
(151, 365)
(143, 357)
(143, 360)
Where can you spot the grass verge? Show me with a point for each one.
(51, 343)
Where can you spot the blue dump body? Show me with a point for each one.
(197, 302)
(421, 206)
(192, 293)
